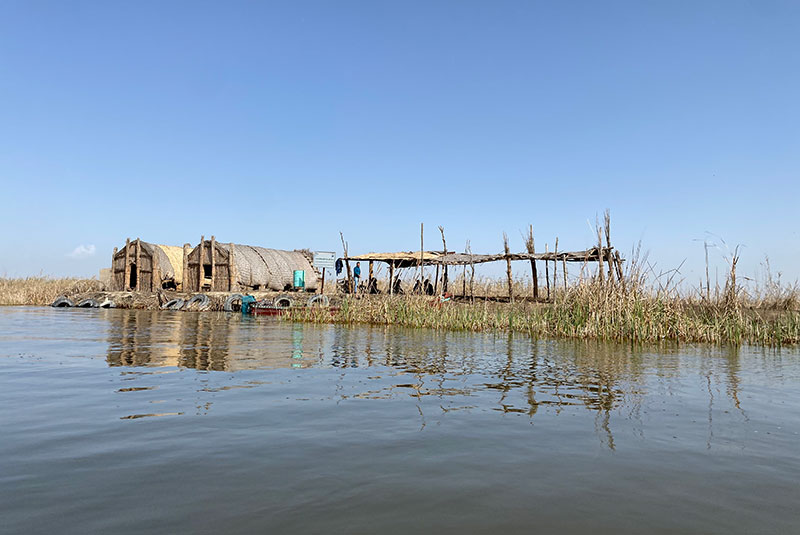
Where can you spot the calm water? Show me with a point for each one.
(115, 421)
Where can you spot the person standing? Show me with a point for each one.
(356, 276)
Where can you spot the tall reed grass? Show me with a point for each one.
(638, 308)
(42, 290)
(585, 311)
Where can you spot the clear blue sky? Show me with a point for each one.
(280, 124)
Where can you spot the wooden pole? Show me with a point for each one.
(126, 273)
(564, 266)
(200, 261)
(213, 262)
(391, 277)
(508, 268)
(185, 285)
(322, 291)
(436, 280)
(600, 252)
(347, 265)
(583, 266)
(232, 275)
(444, 268)
(708, 279)
(472, 273)
(610, 258)
(530, 245)
(464, 282)
(619, 268)
(555, 268)
(421, 254)
(547, 272)
(138, 263)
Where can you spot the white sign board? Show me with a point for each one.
(324, 259)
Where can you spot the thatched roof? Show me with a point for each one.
(401, 259)
(405, 259)
(174, 266)
(271, 268)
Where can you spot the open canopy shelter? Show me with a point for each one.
(414, 259)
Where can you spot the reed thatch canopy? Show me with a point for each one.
(405, 259)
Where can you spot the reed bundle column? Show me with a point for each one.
(232, 269)
(113, 281)
(138, 262)
(200, 261)
(126, 273)
(154, 267)
(213, 261)
(185, 275)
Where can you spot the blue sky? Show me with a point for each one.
(280, 124)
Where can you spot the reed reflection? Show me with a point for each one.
(518, 374)
(208, 341)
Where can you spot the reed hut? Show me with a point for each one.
(231, 267)
(144, 267)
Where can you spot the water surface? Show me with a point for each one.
(139, 421)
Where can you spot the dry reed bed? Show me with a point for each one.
(42, 290)
(589, 310)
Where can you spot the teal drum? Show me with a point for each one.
(299, 278)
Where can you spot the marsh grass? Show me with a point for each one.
(641, 307)
(42, 290)
(629, 310)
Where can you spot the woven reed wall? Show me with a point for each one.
(166, 265)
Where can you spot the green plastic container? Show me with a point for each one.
(299, 278)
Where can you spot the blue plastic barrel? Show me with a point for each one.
(299, 278)
(247, 302)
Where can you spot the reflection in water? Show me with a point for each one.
(319, 429)
(204, 342)
(525, 374)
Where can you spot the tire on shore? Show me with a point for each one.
(88, 303)
(200, 301)
(62, 302)
(108, 303)
(283, 301)
(319, 300)
(230, 302)
(175, 304)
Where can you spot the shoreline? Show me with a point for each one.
(647, 320)
(593, 311)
